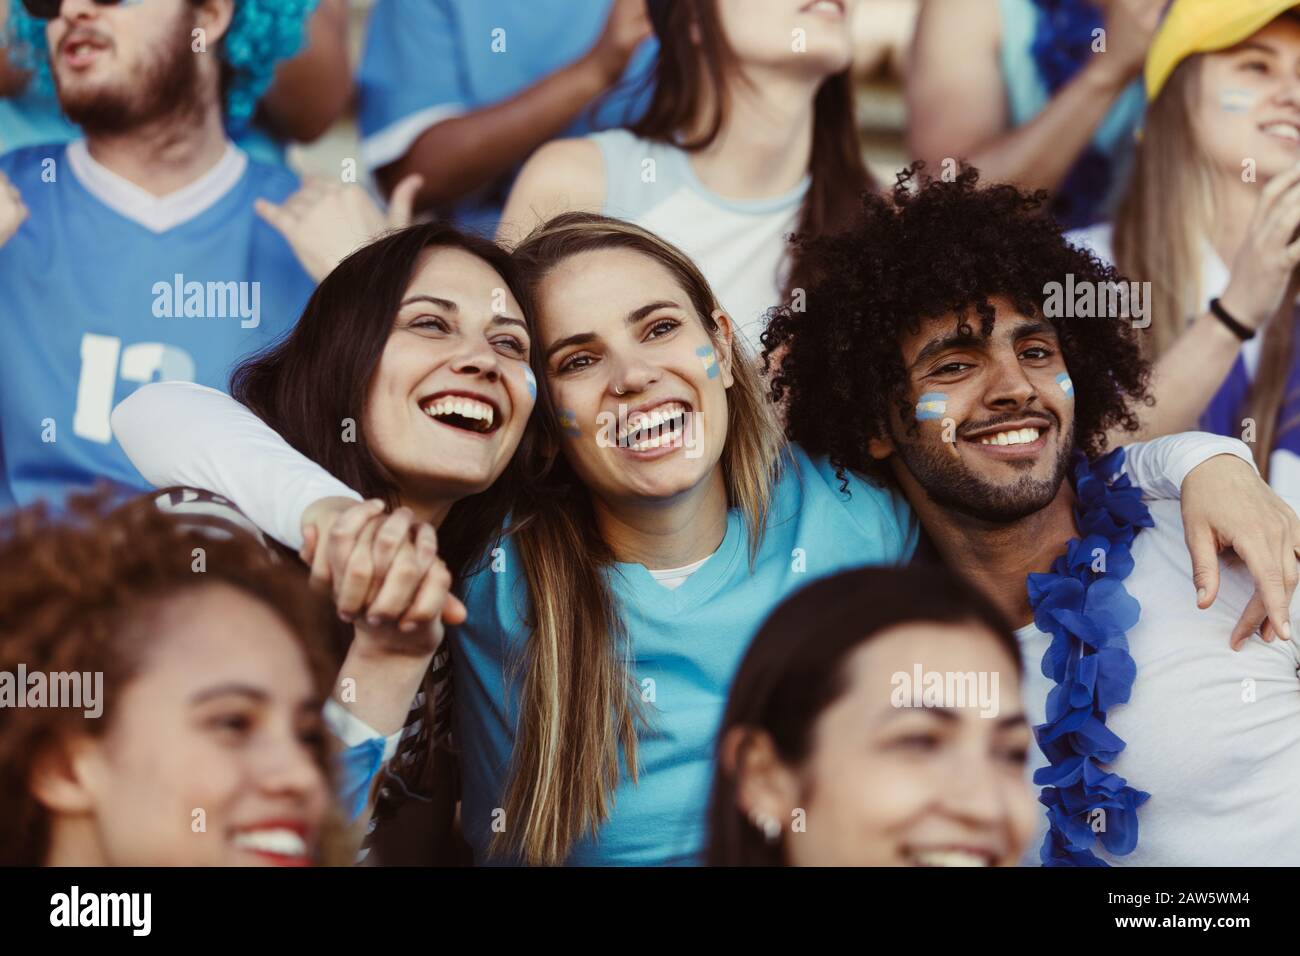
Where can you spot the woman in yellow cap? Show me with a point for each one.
(1209, 219)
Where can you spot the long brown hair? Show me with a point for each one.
(577, 704)
(1162, 219)
(318, 377)
(696, 65)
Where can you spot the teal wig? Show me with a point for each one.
(261, 34)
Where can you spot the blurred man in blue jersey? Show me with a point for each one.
(309, 92)
(462, 91)
(134, 254)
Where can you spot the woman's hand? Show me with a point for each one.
(1268, 256)
(1227, 505)
(325, 222)
(382, 568)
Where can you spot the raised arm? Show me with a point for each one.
(468, 149)
(180, 433)
(956, 98)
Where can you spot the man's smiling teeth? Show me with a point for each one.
(1018, 436)
(1283, 131)
(279, 841)
(949, 858)
(660, 425)
(464, 407)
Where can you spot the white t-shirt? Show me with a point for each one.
(1283, 465)
(1223, 772)
(673, 578)
(739, 244)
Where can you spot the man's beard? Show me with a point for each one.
(947, 481)
(167, 86)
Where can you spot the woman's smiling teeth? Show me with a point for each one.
(1287, 131)
(279, 841)
(948, 857)
(460, 411)
(1016, 436)
(647, 431)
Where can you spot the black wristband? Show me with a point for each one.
(1235, 327)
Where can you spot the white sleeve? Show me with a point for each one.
(351, 730)
(1159, 466)
(180, 433)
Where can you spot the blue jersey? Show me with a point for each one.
(685, 647)
(429, 60)
(106, 287)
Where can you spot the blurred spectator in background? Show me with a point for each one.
(1022, 90)
(1216, 181)
(824, 761)
(136, 253)
(307, 95)
(882, 37)
(181, 718)
(461, 91)
(750, 136)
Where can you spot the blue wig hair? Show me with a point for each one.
(261, 34)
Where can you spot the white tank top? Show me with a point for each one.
(739, 244)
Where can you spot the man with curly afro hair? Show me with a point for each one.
(137, 252)
(929, 357)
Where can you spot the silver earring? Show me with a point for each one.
(768, 824)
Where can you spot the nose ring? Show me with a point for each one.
(619, 391)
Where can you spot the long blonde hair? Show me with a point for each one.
(577, 704)
(1163, 218)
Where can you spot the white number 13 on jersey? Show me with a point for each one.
(100, 369)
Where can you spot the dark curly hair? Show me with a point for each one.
(934, 248)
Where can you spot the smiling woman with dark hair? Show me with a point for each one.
(407, 381)
(827, 755)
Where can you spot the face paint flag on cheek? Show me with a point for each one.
(1236, 101)
(931, 407)
(531, 381)
(1067, 386)
(569, 423)
(709, 358)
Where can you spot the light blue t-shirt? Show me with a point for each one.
(688, 641)
(426, 61)
(104, 288)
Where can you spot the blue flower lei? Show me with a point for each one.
(1082, 603)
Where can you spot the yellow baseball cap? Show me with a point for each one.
(1203, 26)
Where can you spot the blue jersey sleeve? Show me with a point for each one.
(412, 76)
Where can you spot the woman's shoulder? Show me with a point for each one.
(846, 503)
